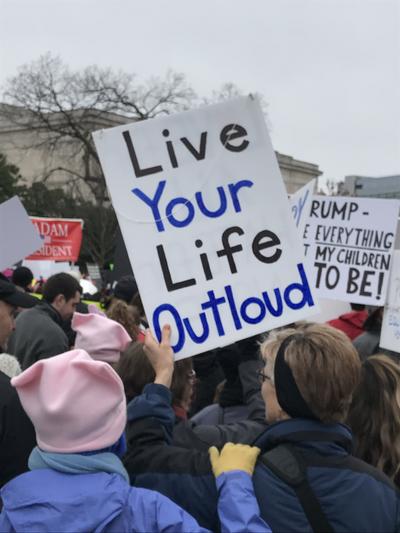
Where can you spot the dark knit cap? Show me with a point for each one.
(126, 289)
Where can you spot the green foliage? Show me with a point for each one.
(9, 180)
(39, 200)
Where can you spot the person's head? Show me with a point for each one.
(76, 404)
(125, 289)
(374, 415)
(310, 372)
(22, 277)
(6, 274)
(126, 315)
(63, 292)
(374, 320)
(182, 384)
(102, 338)
(138, 305)
(357, 307)
(136, 371)
(10, 300)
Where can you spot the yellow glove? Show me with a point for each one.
(233, 457)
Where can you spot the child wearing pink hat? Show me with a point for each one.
(77, 481)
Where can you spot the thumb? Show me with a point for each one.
(256, 451)
(213, 453)
(166, 334)
(214, 456)
(149, 339)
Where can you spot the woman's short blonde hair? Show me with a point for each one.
(324, 364)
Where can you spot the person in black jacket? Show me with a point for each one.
(17, 435)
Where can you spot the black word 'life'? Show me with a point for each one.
(264, 240)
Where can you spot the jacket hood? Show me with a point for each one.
(47, 501)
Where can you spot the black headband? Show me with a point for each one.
(287, 392)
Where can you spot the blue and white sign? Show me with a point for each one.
(207, 224)
(300, 202)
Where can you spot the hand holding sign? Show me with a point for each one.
(160, 355)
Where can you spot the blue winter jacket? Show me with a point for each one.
(46, 500)
(354, 496)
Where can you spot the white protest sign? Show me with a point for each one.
(18, 236)
(207, 225)
(348, 245)
(94, 272)
(300, 202)
(390, 333)
(45, 269)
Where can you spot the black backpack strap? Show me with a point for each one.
(287, 464)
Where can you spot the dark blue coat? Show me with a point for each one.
(354, 496)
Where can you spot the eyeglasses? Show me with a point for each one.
(262, 376)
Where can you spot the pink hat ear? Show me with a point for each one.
(95, 310)
(30, 374)
(79, 319)
(100, 336)
(124, 339)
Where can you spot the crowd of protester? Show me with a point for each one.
(100, 430)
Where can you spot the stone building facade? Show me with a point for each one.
(31, 149)
(383, 187)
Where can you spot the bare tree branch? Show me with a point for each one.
(61, 107)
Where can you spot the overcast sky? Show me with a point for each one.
(328, 69)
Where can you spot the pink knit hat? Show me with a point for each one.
(75, 403)
(102, 338)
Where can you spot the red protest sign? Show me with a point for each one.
(62, 238)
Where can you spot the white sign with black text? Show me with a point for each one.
(348, 246)
(207, 224)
